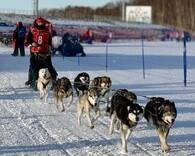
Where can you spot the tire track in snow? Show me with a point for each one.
(99, 131)
(88, 140)
(103, 122)
(32, 123)
(35, 124)
(35, 130)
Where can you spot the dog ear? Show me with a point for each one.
(88, 92)
(175, 110)
(160, 109)
(173, 103)
(135, 99)
(128, 108)
(109, 81)
(58, 82)
(95, 81)
(85, 92)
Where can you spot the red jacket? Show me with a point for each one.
(39, 39)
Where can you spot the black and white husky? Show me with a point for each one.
(81, 83)
(125, 114)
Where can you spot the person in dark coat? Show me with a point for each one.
(18, 39)
(39, 41)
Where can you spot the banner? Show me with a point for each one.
(141, 14)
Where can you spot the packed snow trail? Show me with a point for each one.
(29, 127)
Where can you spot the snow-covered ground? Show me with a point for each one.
(66, 22)
(29, 127)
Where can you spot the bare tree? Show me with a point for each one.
(178, 13)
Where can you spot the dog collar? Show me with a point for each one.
(90, 103)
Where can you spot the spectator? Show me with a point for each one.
(54, 33)
(110, 37)
(88, 36)
(39, 40)
(18, 39)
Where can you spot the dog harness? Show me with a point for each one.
(90, 103)
(66, 93)
(45, 84)
(104, 93)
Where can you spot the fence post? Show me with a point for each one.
(143, 59)
(185, 61)
(106, 57)
(78, 60)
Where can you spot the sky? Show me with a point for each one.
(27, 4)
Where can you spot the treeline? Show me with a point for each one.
(178, 13)
(80, 12)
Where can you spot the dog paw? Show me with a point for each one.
(62, 110)
(165, 149)
(123, 152)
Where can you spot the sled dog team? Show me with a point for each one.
(124, 111)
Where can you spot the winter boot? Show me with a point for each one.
(30, 77)
(34, 81)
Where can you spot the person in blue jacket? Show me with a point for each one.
(18, 39)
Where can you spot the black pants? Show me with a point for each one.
(19, 45)
(36, 63)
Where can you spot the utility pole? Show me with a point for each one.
(123, 11)
(35, 7)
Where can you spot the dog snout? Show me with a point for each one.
(173, 120)
(137, 119)
(95, 104)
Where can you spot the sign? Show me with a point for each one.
(141, 14)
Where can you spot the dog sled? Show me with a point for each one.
(68, 45)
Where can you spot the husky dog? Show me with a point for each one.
(161, 114)
(88, 102)
(126, 114)
(132, 97)
(81, 83)
(102, 84)
(63, 89)
(44, 83)
(127, 94)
